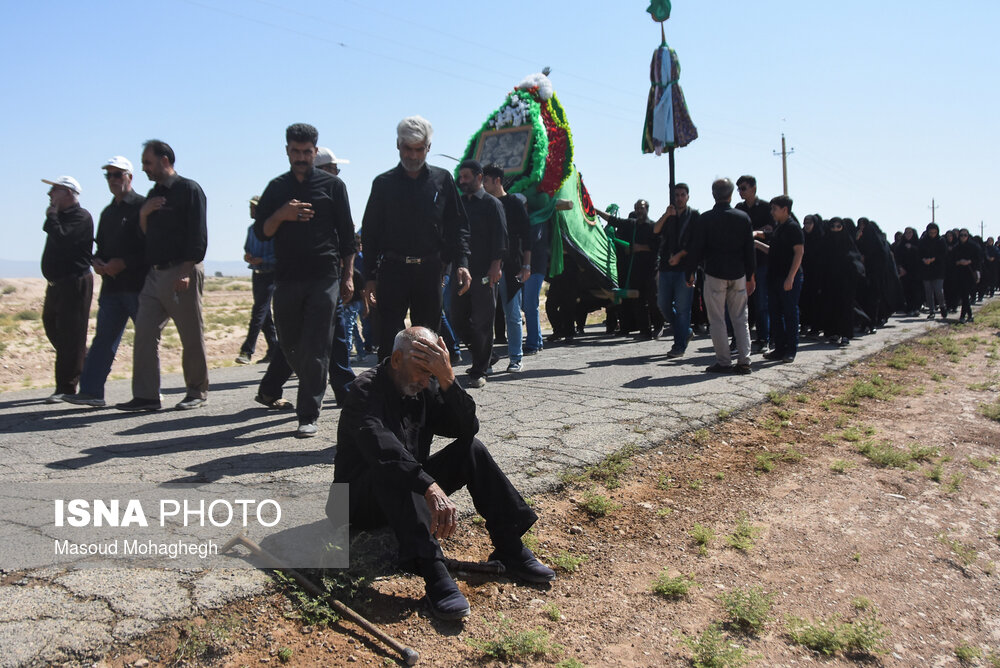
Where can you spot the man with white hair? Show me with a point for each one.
(66, 267)
(414, 227)
(120, 262)
(392, 413)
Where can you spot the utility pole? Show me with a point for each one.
(934, 207)
(784, 163)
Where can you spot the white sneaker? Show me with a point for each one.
(55, 398)
(514, 367)
(306, 430)
(477, 382)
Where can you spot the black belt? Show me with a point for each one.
(168, 265)
(410, 259)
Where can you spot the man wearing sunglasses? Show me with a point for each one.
(120, 263)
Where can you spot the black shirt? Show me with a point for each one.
(725, 243)
(179, 231)
(308, 249)
(676, 235)
(761, 219)
(540, 243)
(389, 434)
(488, 231)
(786, 236)
(415, 217)
(68, 244)
(119, 236)
(642, 265)
(518, 231)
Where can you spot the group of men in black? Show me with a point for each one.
(417, 228)
(848, 279)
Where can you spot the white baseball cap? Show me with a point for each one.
(325, 156)
(67, 182)
(120, 162)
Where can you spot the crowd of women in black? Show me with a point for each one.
(855, 278)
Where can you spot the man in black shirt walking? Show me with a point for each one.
(120, 261)
(762, 222)
(726, 246)
(784, 279)
(414, 226)
(472, 311)
(517, 263)
(677, 228)
(174, 222)
(69, 240)
(307, 212)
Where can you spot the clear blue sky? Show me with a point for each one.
(887, 104)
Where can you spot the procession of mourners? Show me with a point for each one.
(444, 264)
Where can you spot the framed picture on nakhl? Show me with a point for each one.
(507, 147)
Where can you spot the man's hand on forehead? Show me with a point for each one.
(432, 357)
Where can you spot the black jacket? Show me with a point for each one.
(68, 244)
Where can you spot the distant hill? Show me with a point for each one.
(20, 269)
(33, 269)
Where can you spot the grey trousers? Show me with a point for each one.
(158, 303)
(722, 295)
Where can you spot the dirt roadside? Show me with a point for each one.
(27, 359)
(866, 500)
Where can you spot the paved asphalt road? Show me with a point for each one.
(571, 406)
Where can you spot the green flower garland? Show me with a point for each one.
(535, 168)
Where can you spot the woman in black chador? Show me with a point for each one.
(879, 294)
(908, 264)
(965, 258)
(933, 256)
(842, 269)
(951, 296)
(811, 306)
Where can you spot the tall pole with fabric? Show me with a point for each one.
(668, 124)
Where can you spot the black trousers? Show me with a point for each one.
(560, 303)
(304, 314)
(339, 366)
(472, 317)
(260, 314)
(402, 287)
(65, 316)
(462, 463)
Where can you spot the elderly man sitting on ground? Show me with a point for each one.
(391, 414)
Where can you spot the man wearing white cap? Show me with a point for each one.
(327, 161)
(121, 264)
(66, 267)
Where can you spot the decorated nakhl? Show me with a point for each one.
(529, 137)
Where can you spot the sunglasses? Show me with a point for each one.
(114, 175)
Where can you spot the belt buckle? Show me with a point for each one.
(413, 260)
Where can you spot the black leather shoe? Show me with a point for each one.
(139, 405)
(443, 597)
(524, 566)
(718, 368)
